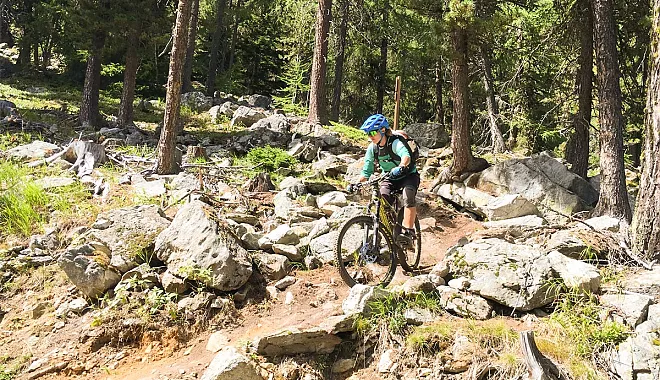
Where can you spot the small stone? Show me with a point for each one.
(288, 300)
(272, 292)
(285, 282)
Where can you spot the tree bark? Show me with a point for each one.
(5, 32)
(439, 108)
(166, 163)
(190, 52)
(215, 47)
(339, 61)
(382, 70)
(317, 101)
(460, 135)
(493, 110)
(645, 228)
(577, 146)
(89, 109)
(125, 117)
(613, 199)
(234, 36)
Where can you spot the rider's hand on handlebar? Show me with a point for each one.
(350, 188)
(398, 171)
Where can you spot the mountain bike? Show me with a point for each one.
(367, 250)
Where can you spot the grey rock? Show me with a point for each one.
(32, 151)
(509, 206)
(260, 101)
(196, 101)
(88, 270)
(174, 284)
(343, 365)
(464, 304)
(568, 243)
(229, 364)
(323, 247)
(277, 123)
(150, 189)
(632, 309)
(514, 275)
(272, 267)
(293, 341)
(195, 243)
(429, 135)
(246, 116)
(527, 221)
(541, 179)
(574, 273)
(53, 182)
(334, 198)
(359, 298)
(417, 317)
(290, 251)
(131, 231)
(285, 282)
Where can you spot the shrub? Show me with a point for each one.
(270, 159)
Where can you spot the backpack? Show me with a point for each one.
(408, 142)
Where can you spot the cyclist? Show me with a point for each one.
(392, 154)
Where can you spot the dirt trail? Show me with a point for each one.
(316, 295)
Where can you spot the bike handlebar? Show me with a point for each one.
(371, 182)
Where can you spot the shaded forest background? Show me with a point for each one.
(526, 53)
(567, 76)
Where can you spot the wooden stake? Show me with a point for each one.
(397, 102)
(538, 366)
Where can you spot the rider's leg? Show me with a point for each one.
(409, 192)
(386, 189)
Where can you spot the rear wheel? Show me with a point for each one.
(411, 252)
(361, 258)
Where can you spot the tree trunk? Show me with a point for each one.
(577, 147)
(439, 109)
(166, 163)
(493, 111)
(215, 47)
(645, 229)
(382, 70)
(125, 117)
(460, 134)
(5, 32)
(339, 61)
(234, 36)
(317, 101)
(89, 109)
(190, 52)
(613, 199)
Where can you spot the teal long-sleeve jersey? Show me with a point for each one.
(385, 160)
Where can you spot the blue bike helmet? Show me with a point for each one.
(374, 123)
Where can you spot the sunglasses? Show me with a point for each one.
(372, 133)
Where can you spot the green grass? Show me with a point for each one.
(25, 206)
(352, 134)
(270, 159)
(391, 309)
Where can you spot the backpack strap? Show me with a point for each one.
(404, 141)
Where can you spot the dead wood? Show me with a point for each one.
(539, 367)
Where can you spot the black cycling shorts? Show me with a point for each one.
(409, 184)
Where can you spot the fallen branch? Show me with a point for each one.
(538, 366)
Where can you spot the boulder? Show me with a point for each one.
(509, 206)
(89, 270)
(357, 301)
(276, 122)
(429, 135)
(260, 101)
(464, 304)
(541, 179)
(514, 275)
(294, 341)
(196, 101)
(32, 151)
(197, 247)
(631, 309)
(472, 199)
(246, 116)
(229, 364)
(128, 233)
(575, 273)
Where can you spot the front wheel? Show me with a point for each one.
(363, 258)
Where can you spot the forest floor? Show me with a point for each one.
(166, 355)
